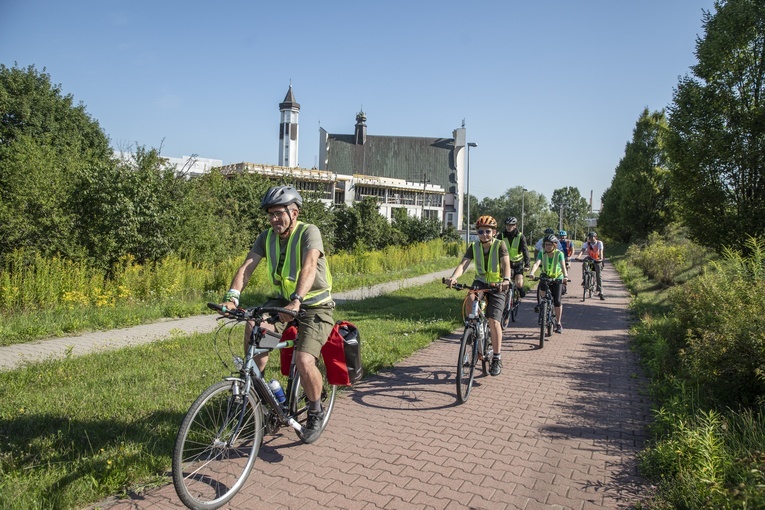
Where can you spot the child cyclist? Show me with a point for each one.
(492, 265)
(553, 266)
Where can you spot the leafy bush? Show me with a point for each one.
(721, 315)
(662, 257)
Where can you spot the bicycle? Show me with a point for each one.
(546, 318)
(222, 432)
(475, 343)
(512, 302)
(588, 278)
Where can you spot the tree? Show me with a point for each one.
(716, 138)
(46, 142)
(572, 210)
(638, 201)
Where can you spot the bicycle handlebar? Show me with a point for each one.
(547, 278)
(255, 313)
(493, 287)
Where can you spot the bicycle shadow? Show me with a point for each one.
(413, 387)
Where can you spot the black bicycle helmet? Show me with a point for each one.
(549, 231)
(512, 220)
(551, 238)
(281, 195)
(592, 234)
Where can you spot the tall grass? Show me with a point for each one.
(53, 297)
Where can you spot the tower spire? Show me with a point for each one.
(288, 130)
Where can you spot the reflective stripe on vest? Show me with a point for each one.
(492, 274)
(550, 264)
(515, 255)
(285, 282)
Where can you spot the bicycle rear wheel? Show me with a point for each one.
(299, 402)
(507, 313)
(468, 356)
(488, 350)
(217, 444)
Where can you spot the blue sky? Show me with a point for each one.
(549, 90)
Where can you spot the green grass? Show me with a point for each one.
(75, 431)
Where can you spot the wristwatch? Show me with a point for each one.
(295, 296)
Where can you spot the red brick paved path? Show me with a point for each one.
(559, 428)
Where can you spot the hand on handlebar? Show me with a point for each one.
(449, 282)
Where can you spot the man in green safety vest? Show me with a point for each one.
(298, 270)
(517, 249)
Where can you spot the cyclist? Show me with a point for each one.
(554, 266)
(492, 265)
(517, 250)
(566, 246)
(594, 250)
(298, 269)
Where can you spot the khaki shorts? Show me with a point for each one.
(314, 329)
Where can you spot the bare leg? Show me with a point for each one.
(309, 374)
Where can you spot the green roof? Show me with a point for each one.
(414, 159)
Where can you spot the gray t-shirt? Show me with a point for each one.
(311, 240)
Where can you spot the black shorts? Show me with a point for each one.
(517, 267)
(495, 302)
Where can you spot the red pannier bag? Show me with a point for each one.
(341, 354)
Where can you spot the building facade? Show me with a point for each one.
(423, 176)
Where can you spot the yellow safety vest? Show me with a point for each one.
(490, 274)
(515, 255)
(285, 282)
(551, 265)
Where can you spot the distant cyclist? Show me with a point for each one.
(517, 249)
(566, 246)
(492, 265)
(593, 248)
(553, 266)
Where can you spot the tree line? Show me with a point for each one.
(700, 161)
(64, 193)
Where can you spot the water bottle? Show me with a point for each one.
(276, 388)
(474, 311)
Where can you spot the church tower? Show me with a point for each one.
(288, 131)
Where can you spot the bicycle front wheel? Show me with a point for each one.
(514, 306)
(542, 322)
(585, 286)
(217, 444)
(299, 402)
(468, 356)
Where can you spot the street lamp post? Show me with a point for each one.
(467, 180)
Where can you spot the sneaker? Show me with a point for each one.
(536, 309)
(496, 366)
(559, 328)
(312, 428)
(522, 292)
(601, 297)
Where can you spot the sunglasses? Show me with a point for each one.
(484, 232)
